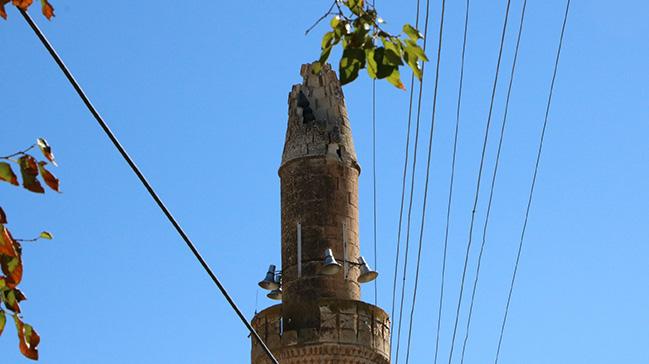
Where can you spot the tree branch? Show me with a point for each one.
(22, 152)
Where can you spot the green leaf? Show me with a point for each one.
(392, 58)
(412, 32)
(10, 300)
(324, 56)
(384, 66)
(7, 174)
(13, 269)
(340, 27)
(3, 321)
(413, 48)
(416, 70)
(359, 38)
(352, 61)
(327, 40)
(372, 65)
(393, 51)
(395, 79)
(46, 235)
(316, 68)
(335, 21)
(356, 6)
(12, 264)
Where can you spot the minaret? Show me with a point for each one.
(321, 318)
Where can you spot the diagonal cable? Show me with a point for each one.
(430, 149)
(493, 182)
(144, 181)
(533, 185)
(479, 180)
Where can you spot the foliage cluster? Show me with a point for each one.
(357, 27)
(11, 263)
(46, 7)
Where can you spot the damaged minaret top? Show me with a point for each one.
(318, 124)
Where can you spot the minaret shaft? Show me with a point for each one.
(321, 318)
(319, 187)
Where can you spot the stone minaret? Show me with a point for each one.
(321, 318)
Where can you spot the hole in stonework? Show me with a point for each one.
(307, 112)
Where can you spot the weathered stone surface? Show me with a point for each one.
(349, 332)
(319, 190)
(321, 318)
(323, 95)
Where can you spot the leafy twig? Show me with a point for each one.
(357, 28)
(22, 152)
(43, 235)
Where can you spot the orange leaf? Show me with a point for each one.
(3, 11)
(29, 171)
(48, 11)
(20, 296)
(10, 260)
(48, 177)
(13, 268)
(7, 244)
(23, 4)
(28, 339)
(3, 216)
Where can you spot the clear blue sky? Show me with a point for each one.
(197, 92)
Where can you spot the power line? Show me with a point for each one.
(452, 180)
(533, 185)
(412, 181)
(430, 148)
(143, 180)
(493, 181)
(403, 193)
(477, 192)
(376, 264)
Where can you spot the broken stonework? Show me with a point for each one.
(318, 124)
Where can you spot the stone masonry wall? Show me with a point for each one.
(321, 318)
(319, 190)
(350, 332)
